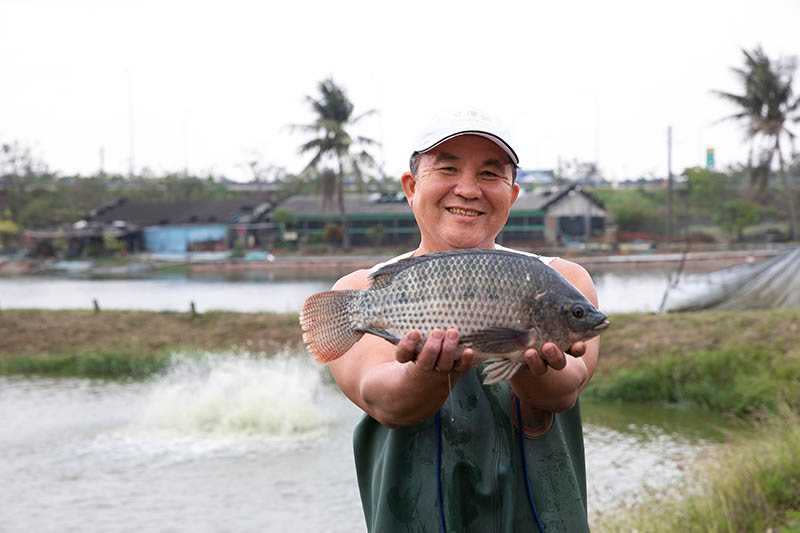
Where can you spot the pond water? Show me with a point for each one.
(619, 291)
(224, 443)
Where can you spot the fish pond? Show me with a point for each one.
(221, 442)
(619, 291)
(229, 443)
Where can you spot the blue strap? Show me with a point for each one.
(528, 489)
(440, 489)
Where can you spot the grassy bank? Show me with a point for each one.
(130, 344)
(644, 357)
(750, 484)
(739, 363)
(742, 364)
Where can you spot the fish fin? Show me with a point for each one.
(384, 275)
(381, 279)
(382, 333)
(497, 340)
(498, 370)
(327, 329)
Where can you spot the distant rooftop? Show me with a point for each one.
(186, 212)
(374, 203)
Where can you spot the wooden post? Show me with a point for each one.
(192, 309)
(96, 305)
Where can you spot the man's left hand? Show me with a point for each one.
(551, 356)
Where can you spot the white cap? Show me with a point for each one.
(464, 123)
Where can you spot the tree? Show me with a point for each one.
(575, 170)
(20, 171)
(333, 142)
(737, 214)
(8, 232)
(707, 189)
(767, 104)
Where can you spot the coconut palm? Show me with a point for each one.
(334, 143)
(767, 106)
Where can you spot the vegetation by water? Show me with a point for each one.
(750, 484)
(738, 363)
(742, 364)
(130, 344)
(736, 381)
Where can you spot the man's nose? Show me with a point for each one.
(467, 186)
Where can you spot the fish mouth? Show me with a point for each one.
(602, 325)
(464, 211)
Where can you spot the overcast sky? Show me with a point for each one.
(213, 84)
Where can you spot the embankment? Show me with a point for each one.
(130, 344)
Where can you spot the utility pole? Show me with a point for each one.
(131, 159)
(669, 184)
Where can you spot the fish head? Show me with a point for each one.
(582, 320)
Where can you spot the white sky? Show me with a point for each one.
(213, 83)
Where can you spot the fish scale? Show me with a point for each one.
(500, 301)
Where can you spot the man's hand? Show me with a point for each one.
(551, 380)
(439, 353)
(551, 356)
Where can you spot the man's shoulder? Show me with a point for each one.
(354, 280)
(360, 279)
(569, 268)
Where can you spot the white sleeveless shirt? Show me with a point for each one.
(544, 259)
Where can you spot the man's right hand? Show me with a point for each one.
(439, 353)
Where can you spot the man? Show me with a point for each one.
(437, 450)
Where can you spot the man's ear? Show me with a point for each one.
(409, 183)
(514, 192)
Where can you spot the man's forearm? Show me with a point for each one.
(556, 390)
(398, 394)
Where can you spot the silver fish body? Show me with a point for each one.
(501, 302)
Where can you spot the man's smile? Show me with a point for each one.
(463, 211)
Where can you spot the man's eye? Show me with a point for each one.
(488, 174)
(448, 170)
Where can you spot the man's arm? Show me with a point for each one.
(396, 385)
(553, 380)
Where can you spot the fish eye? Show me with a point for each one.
(578, 311)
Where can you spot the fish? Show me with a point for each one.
(502, 303)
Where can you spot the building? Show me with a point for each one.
(546, 216)
(569, 213)
(167, 227)
(371, 219)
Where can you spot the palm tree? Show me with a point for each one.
(333, 142)
(766, 107)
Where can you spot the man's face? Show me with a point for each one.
(462, 193)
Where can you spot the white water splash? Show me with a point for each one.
(231, 394)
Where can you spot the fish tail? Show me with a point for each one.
(328, 331)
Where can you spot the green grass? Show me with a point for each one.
(752, 484)
(741, 382)
(93, 364)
